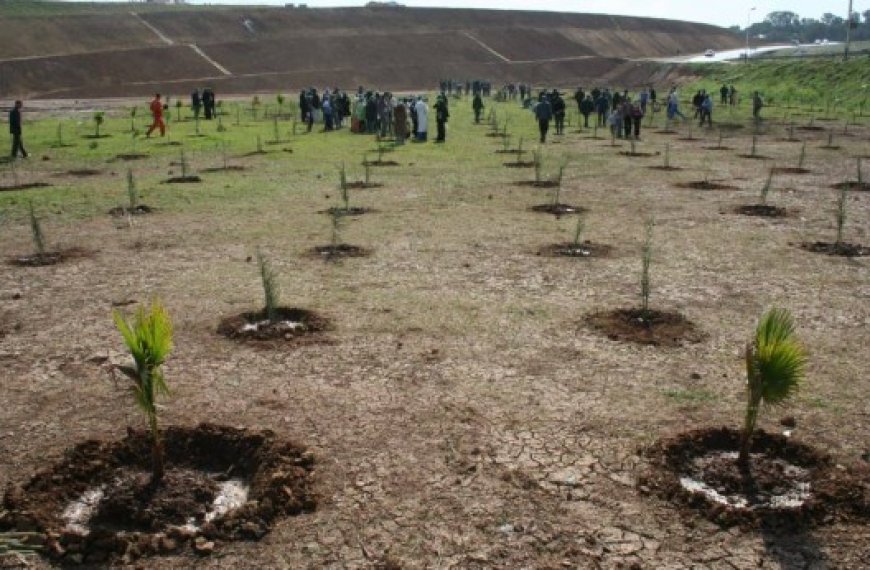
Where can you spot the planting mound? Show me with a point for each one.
(519, 164)
(352, 211)
(754, 156)
(538, 183)
(665, 168)
(852, 186)
(790, 170)
(787, 484)
(360, 185)
(705, 185)
(121, 211)
(582, 250)
(221, 484)
(658, 328)
(558, 209)
(183, 180)
(25, 186)
(338, 251)
(288, 324)
(761, 210)
(843, 248)
(49, 257)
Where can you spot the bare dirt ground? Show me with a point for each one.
(461, 412)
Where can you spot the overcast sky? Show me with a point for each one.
(722, 12)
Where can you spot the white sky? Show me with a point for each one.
(719, 12)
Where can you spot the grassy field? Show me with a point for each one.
(462, 412)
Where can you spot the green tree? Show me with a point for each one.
(149, 340)
(775, 363)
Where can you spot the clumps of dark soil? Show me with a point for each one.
(730, 126)
(810, 128)
(666, 132)
(705, 185)
(658, 328)
(509, 151)
(130, 519)
(131, 156)
(843, 249)
(787, 485)
(830, 147)
(754, 156)
(665, 168)
(558, 209)
(520, 164)
(121, 211)
(761, 210)
(360, 185)
(94, 136)
(380, 163)
(790, 170)
(255, 153)
(583, 250)
(496, 135)
(537, 183)
(334, 252)
(25, 186)
(289, 324)
(352, 211)
(230, 168)
(636, 153)
(852, 186)
(49, 257)
(718, 148)
(190, 179)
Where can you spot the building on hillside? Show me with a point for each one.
(163, 1)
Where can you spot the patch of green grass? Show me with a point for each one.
(690, 396)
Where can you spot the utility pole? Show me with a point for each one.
(848, 31)
(748, 15)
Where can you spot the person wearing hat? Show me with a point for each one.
(442, 113)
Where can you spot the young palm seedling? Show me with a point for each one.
(36, 231)
(765, 190)
(99, 118)
(149, 340)
(775, 363)
(270, 287)
(132, 119)
(538, 158)
(803, 156)
(280, 100)
(178, 106)
(132, 193)
(842, 203)
(646, 261)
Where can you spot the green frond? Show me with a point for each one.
(774, 327)
(779, 359)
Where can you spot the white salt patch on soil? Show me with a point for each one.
(78, 513)
(232, 494)
(796, 494)
(280, 325)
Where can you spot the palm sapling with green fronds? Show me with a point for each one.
(775, 364)
(578, 231)
(149, 340)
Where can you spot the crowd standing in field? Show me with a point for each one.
(407, 117)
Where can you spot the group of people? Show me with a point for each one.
(203, 101)
(452, 87)
(331, 108)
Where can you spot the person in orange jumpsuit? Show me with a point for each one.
(157, 112)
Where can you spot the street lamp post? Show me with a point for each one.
(848, 31)
(748, 16)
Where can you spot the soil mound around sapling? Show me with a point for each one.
(852, 186)
(754, 156)
(131, 156)
(718, 148)
(380, 163)
(830, 147)
(25, 186)
(50, 257)
(183, 180)
(338, 251)
(558, 209)
(705, 185)
(666, 132)
(810, 128)
(232, 168)
(790, 170)
(657, 328)
(761, 210)
(665, 168)
(843, 249)
(730, 126)
(121, 211)
(537, 184)
(519, 164)
(289, 324)
(629, 153)
(221, 484)
(81, 172)
(352, 211)
(255, 153)
(360, 185)
(787, 484)
(583, 250)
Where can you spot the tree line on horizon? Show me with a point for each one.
(788, 26)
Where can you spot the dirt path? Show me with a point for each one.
(164, 38)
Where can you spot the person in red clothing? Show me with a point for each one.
(157, 112)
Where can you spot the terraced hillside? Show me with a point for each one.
(52, 50)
